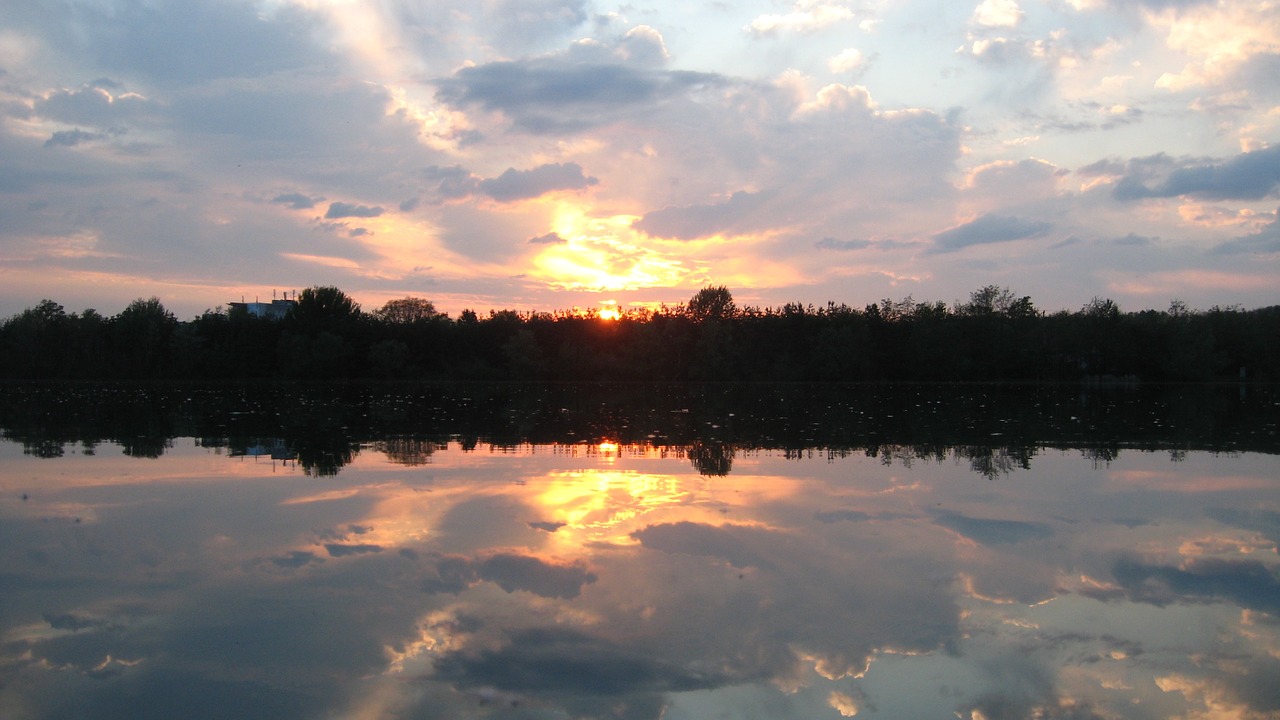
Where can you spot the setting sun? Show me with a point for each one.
(610, 310)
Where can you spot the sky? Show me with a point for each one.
(549, 154)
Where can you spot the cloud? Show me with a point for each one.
(997, 13)
(696, 221)
(342, 550)
(1130, 240)
(1247, 583)
(72, 138)
(513, 572)
(566, 662)
(551, 238)
(1264, 242)
(197, 41)
(514, 185)
(546, 525)
(698, 539)
(849, 60)
(297, 201)
(345, 210)
(90, 105)
(297, 559)
(988, 531)
(1248, 176)
(830, 243)
(806, 17)
(549, 95)
(528, 23)
(74, 621)
(643, 45)
(987, 229)
(451, 182)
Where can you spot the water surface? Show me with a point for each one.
(639, 553)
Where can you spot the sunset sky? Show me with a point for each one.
(546, 154)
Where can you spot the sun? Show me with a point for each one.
(610, 310)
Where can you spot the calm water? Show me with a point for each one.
(564, 552)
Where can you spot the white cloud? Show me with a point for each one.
(997, 13)
(849, 60)
(805, 17)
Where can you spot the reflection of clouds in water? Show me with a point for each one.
(639, 588)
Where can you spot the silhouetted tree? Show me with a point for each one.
(323, 308)
(712, 303)
(140, 336)
(407, 311)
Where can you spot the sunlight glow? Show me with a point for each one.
(603, 254)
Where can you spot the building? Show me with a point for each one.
(274, 310)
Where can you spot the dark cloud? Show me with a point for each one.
(452, 574)
(1247, 176)
(1247, 583)
(293, 117)
(90, 105)
(551, 238)
(988, 229)
(1135, 240)
(297, 201)
(345, 210)
(830, 243)
(450, 182)
(523, 572)
(697, 221)
(832, 516)
(71, 138)
(698, 539)
(548, 526)
(297, 559)
(1266, 522)
(550, 95)
(73, 621)
(555, 661)
(514, 185)
(1102, 168)
(991, 531)
(521, 23)
(842, 516)
(342, 550)
(511, 572)
(200, 40)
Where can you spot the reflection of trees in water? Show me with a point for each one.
(41, 447)
(905, 455)
(992, 461)
(145, 446)
(711, 458)
(322, 455)
(408, 450)
(1100, 455)
(994, 428)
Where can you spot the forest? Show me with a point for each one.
(996, 335)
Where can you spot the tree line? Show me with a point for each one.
(996, 335)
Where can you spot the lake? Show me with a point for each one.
(638, 551)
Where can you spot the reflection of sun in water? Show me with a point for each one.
(602, 506)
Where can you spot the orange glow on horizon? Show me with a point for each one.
(610, 311)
